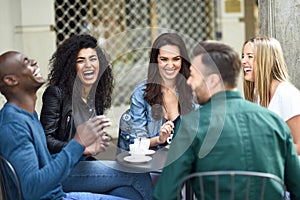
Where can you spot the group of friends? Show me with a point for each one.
(214, 126)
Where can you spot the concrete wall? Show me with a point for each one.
(25, 27)
(281, 20)
(233, 26)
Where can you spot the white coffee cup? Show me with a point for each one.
(140, 146)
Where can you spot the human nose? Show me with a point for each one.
(170, 63)
(88, 63)
(243, 60)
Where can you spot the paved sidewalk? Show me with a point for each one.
(110, 153)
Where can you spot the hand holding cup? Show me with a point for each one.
(100, 145)
(89, 131)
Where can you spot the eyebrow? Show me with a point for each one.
(247, 54)
(84, 57)
(172, 57)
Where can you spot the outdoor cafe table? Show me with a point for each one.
(156, 164)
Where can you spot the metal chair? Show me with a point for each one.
(230, 185)
(8, 181)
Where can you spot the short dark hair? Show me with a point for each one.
(220, 58)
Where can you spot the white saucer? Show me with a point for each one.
(148, 153)
(137, 159)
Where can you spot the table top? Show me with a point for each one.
(154, 165)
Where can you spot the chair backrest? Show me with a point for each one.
(231, 185)
(124, 138)
(8, 177)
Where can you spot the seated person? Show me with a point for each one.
(80, 87)
(227, 132)
(158, 102)
(278, 94)
(22, 138)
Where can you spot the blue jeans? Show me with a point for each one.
(96, 177)
(89, 196)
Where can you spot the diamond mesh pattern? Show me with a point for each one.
(123, 28)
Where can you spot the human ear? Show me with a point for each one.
(10, 80)
(214, 80)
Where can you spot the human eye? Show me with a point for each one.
(94, 58)
(177, 58)
(80, 61)
(163, 59)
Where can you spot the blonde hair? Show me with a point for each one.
(270, 65)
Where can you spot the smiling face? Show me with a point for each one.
(87, 66)
(169, 62)
(19, 70)
(248, 62)
(31, 71)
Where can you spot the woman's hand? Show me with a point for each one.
(165, 131)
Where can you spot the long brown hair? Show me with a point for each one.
(153, 90)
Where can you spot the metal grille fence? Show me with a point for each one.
(126, 29)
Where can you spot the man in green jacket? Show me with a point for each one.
(227, 132)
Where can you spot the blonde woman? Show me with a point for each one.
(266, 82)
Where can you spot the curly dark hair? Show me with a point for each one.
(63, 69)
(153, 94)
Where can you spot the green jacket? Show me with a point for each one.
(230, 133)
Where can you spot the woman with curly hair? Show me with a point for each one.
(80, 87)
(89, 92)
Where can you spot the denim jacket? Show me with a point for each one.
(137, 121)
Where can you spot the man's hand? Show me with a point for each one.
(100, 145)
(88, 132)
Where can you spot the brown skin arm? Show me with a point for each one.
(294, 125)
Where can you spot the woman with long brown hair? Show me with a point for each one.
(158, 102)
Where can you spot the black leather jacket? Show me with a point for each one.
(56, 118)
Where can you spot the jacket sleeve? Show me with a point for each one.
(51, 117)
(138, 114)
